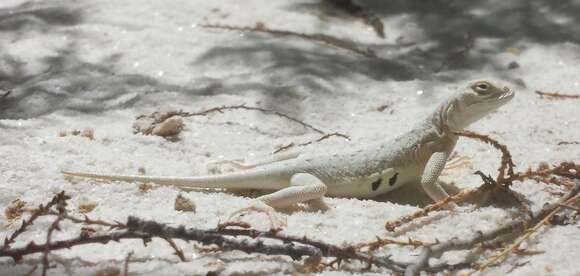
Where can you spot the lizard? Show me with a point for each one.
(416, 157)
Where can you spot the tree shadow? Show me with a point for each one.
(43, 16)
(69, 82)
(65, 80)
(446, 23)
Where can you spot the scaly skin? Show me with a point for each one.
(418, 156)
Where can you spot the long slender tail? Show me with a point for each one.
(237, 180)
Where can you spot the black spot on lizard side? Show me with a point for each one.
(376, 184)
(393, 179)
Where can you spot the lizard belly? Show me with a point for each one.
(374, 184)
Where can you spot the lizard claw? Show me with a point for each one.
(277, 221)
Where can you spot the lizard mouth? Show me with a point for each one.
(504, 96)
(507, 94)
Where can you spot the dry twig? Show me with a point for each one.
(321, 38)
(323, 137)
(516, 226)
(555, 208)
(61, 206)
(556, 95)
(126, 264)
(374, 245)
(146, 230)
(506, 158)
(391, 225)
(42, 209)
(221, 109)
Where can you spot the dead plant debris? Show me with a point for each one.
(235, 236)
(146, 124)
(184, 204)
(145, 187)
(14, 210)
(500, 187)
(86, 132)
(87, 207)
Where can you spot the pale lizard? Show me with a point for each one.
(418, 156)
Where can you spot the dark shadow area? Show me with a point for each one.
(73, 84)
(38, 15)
(66, 81)
(450, 24)
(310, 69)
(308, 63)
(413, 195)
(69, 82)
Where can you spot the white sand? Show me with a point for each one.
(98, 64)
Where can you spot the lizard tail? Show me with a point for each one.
(237, 180)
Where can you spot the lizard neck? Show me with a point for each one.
(443, 120)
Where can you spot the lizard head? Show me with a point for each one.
(477, 100)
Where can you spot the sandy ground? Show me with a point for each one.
(97, 64)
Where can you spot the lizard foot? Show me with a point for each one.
(277, 221)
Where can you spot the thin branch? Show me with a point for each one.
(31, 248)
(313, 248)
(323, 137)
(570, 207)
(566, 169)
(380, 242)
(516, 226)
(391, 225)
(61, 206)
(85, 220)
(178, 251)
(506, 158)
(221, 109)
(556, 95)
(42, 209)
(320, 38)
(126, 264)
(514, 246)
(146, 230)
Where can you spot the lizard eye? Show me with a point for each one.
(481, 87)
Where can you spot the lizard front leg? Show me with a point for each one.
(429, 179)
(303, 187)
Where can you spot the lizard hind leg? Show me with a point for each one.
(303, 187)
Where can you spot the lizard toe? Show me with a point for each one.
(277, 221)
